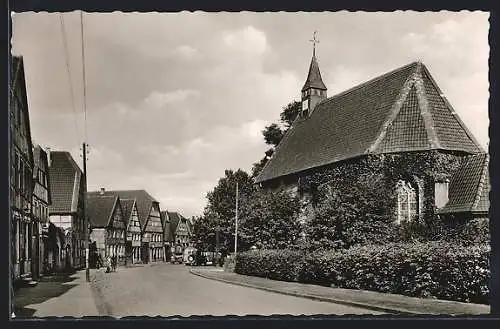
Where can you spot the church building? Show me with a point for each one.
(399, 117)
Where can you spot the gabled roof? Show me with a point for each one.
(144, 201)
(174, 218)
(314, 79)
(66, 182)
(17, 78)
(41, 162)
(127, 206)
(469, 187)
(167, 230)
(400, 111)
(100, 209)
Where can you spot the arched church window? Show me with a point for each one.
(407, 206)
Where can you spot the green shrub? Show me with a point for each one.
(284, 265)
(432, 269)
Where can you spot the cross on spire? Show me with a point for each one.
(314, 40)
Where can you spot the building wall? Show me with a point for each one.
(134, 237)
(116, 236)
(20, 180)
(425, 170)
(98, 235)
(153, 235)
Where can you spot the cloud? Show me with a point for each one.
(187, 52)
(158, 100)
(248, 40)
(168, 112)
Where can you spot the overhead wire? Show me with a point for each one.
(84, 77)
(70, 80)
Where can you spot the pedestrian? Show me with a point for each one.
(108, 264)
(114, 260)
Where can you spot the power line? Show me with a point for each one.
(70, 80)
(84, 78)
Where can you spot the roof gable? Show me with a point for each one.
(143, 200)
(174, 220)
(469, 187)
(100, 210)
(18, 85)
(127, 207)
(66, 183)
(400, 111)
(40, 161)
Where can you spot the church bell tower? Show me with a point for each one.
(314, 90)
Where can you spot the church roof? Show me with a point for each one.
(400, 111)
(469, 187)
(314, 77)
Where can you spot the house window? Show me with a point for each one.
(407, 202)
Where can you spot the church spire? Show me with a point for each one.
(314, 89)
(314, 79)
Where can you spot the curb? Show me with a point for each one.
(313, 297)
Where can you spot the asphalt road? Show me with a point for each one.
(170, 290)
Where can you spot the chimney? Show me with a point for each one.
(47, 150)
(102, 190)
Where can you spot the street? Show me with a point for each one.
(169, 290)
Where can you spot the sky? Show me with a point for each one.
(174, 99)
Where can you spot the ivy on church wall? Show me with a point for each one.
(364, 190)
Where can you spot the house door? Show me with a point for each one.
(128, 252)
(35, 253)
(145, 252)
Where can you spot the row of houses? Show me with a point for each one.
(49, 201)
(130, 225)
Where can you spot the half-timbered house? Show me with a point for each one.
(107, 226)
(21, 175)
(133, 241)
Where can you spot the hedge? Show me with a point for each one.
(432, 269)
(283, 265)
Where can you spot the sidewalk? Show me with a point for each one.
(390, 303)
(58, 296)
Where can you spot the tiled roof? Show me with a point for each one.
(469, 187)
(400, 111)
(174, 220)
(66, 182)
(167, 229)
(100, 209)
(144, 201)
(127, 206)
(314, 77)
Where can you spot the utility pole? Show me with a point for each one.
(236, 228)
(86, 223)
(217, 230)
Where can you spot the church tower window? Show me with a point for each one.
(407, 202)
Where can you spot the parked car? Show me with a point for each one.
(189, 255)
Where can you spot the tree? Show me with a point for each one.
(221, 208)
(273, 134)
(289, 114)
(351, 211)
(269, 220)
